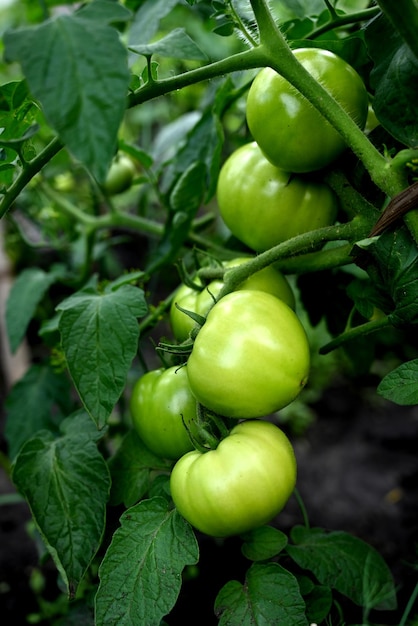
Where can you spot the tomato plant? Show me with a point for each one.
(244, 374)
(263, 205)
(163, 410)
(239, 486)
(289, 130)
(254, 169)
(268, 279)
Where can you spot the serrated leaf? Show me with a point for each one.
(345, 563)
(393, 269)
(401, 385)
(26, 293)
(66, 483)
(105, 11)
(263, 543)
(131, 469)
(176, 45)
(144, 587)
(270, 596)
(395, 80)
(34, 403)
(77, 68)
(147, 20)
(99, 334)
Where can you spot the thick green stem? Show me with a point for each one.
(355, 333)
(248, 59)
(317, 261)
(352, 231)
(27, 173)
(343, 20)
(404, 16)
(279, 56)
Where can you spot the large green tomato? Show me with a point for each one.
(263, 205)
(161, 399)
(290, 131)
(268, 279)
(241, 485)
(250, 358)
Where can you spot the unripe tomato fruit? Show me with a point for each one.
(120, 175)
(241, 485)
(161, 399)
(268, 279)
(290, 131)
(263, 205)
(250, 358)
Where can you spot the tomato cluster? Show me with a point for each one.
(249, 354)
(270, 190)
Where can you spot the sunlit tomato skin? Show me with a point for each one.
(250, 358)
(161, 399)
(241, 485)
(268, 279)
(263, 205)
(290, 131)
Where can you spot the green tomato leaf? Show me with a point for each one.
(395, 80)
(270, 596)
(105, 11)
(18, 120)
(176, 45)
(401, 385)
(318, 604)
(140, 575)
(202, 144)
(263, 543)
(147, 20)
(99, 335)
(346, 564)
(393, 269)
(32, 401)
(26, 293)
(185, 199)
(66, 483)
(77, 68)
(131, 469)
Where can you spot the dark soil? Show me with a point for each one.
(358, 472)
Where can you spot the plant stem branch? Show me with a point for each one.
(352, 231)
(317, 261)
(28, 172)
(248, 59)
(343, 20)
(355, 333)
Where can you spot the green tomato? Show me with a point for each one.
(290, 131)
(263, 205)
(268, 279)
(162, 405)
(250, 358)
(120, 175)
(241, 485)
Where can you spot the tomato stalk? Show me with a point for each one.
(279, 56)
(351, 231)
(355, 333)
(342, 20)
